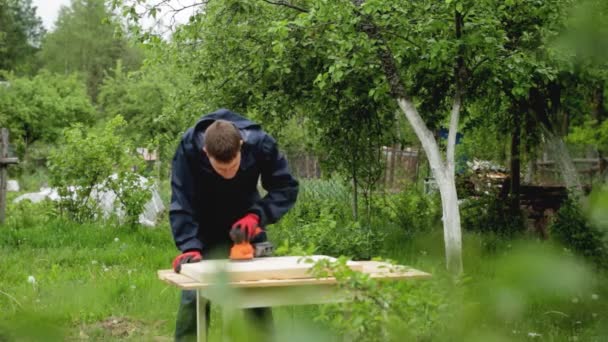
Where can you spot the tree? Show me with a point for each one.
(159, 100)
(87, 39)
(333, 60)
(324, 59)
(585, 45)
(138, 96)
(38, 108)
(21, 31)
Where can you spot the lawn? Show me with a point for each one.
(67, 281)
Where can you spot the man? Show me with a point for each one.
(214, 190)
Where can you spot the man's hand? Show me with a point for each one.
(185, 258)
(247, 225)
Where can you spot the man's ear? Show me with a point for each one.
(241, 141)
(204, 150)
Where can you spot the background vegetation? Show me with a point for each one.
(78, 100)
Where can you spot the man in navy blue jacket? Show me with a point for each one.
(214, 180)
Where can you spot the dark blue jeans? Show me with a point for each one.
(185, 326)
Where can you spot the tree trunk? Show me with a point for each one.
(599, 114)
(445, 181)
(451, 223)
(515, 160)
(393, 166)
(355, 194)
(443, 172)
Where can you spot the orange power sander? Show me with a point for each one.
(243, 250)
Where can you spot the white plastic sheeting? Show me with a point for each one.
(36, 197)
(106, 201)
(12, 185)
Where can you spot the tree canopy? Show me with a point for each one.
(88, 39)
(21, 32)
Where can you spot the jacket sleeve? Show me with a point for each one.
(181, 215)
(281, 186)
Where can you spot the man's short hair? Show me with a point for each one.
(222, 141)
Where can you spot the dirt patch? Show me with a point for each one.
(121, 328)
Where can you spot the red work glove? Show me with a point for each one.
(247, 224)
(185, 258)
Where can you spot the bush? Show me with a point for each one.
(412, 210)
(321, 222)
(88, 164)
(489, 214)
(328, 237)
(38, 108)
(26, 214)
(572, 229)
(381, 310)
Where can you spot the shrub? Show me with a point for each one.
(327, 236)
(489, 214)
(89, 164)
(412, 210)
(572, 229)
(380, 310)
(321, 222)
(38, 108)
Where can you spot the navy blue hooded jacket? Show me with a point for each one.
(204, 205)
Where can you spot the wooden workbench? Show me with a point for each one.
(275, 292)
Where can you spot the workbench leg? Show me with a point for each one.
(201, 318)
(227, 315)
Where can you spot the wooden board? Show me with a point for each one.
(375, 269)
(270, 268)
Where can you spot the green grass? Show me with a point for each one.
(98, 282)
(85, 274)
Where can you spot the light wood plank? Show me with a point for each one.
(375, 269)
(272, 268)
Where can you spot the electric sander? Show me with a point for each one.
(244, 250)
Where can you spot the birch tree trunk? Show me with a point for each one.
(444, 175)
(442, 171)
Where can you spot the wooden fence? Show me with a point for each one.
(402, 165)
(304, 165)
(548, 171)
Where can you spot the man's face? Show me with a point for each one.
(226, 170)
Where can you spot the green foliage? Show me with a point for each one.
(327, 236)
(489, 214)
(21, 31)
(87, 39)
(27, 214)
(332, 195)
(321, 223)
(573, 229)
(132, 193)
(84, 276)
(411, 210)
(590, 133)
(379, 311)
(82, 167)
(99, 280)
(270, 69)
(139, 97)
(150, 99)
(38, 108)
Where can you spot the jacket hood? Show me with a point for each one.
(224, 114)
(194, 137)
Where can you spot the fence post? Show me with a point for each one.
(5, 161)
